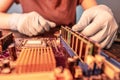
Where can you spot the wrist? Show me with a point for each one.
(86, 4)
(13, 20)
(4, 19)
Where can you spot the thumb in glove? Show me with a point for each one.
(98, 24)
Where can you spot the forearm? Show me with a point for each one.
(88, 3)
(5, 5)
(4, 17)
(4, 20)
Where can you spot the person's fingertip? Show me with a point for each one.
(75, 28)
(52, 25)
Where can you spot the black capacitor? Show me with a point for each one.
(12, 51)
(77, 60)
(6, 63)
(6, 67)
(0, 42)
(0, 34)
(97, 70)
(70, 65)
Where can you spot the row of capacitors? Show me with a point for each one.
(5, 64)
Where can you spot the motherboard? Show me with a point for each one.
(47, 58)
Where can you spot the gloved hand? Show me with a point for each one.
(98, 24)
(30, 23)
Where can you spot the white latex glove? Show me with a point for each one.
(98, 24)
(30, 23)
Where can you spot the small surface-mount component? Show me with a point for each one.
(12, 52)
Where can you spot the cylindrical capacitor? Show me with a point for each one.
(0, 34)
(99, 64)
(77, 60)
(0, 42)
(70, 65)
(6, 63)
(6, 67)
(12, 51)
